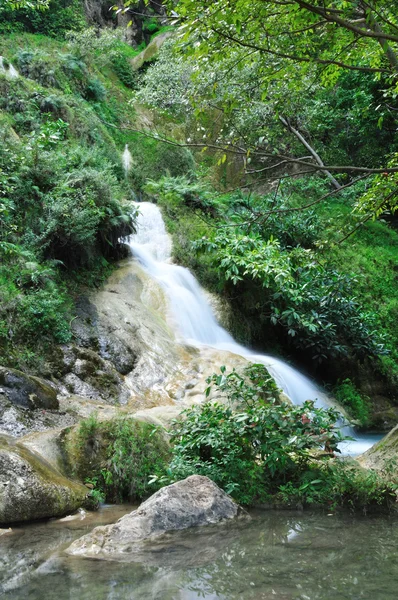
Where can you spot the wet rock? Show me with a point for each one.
(48, 444)
(19, 421)
(160, 416)
(89, 375)
(78, 387)
(30, 488)
(27, 391)
(79, 408)
(193, 502)
(94, 328)
(150, 51)
(383, 456)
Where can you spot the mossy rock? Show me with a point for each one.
(30, 488)
(383, 456)
(27, 391)
(150, 51)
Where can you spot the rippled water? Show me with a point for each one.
(275, 555)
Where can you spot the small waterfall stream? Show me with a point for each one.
(196, 323)
(127, 160)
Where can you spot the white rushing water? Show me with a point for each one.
(7, 69)
(196, 322)
(127, 160)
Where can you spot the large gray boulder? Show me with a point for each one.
(31, 488)
(193, 502)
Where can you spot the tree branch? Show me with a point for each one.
(314, 154)
(323, 12)
(314, 59)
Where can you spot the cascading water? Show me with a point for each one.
(196, 323)
(127, 160)
(7, 69)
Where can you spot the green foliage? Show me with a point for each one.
(339, 483)
(41, 16)
(62, 213)
(123, 69)
(260, 448)
(357, 404)
(151, 25)
(314, 305)
(254, 442)
(246, 93)
(175, 192)
(34, 4)
(94, 90)
(117, 456)
(154, 160)
(320, 32)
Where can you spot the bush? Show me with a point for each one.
(357, 404)
(94, 91)
(154, 160)
(60, 17)
(123, 69)
(313, 306)
(61, 216)
(255, 442)
(259, 448)
(118, 455)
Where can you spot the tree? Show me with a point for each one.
(344, 34)
(32, 4)
(275, 56)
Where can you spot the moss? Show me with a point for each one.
(118, 455)
(47, 494)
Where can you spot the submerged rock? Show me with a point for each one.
(193, 502)
(30, 488)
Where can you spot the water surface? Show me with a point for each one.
(275, 555)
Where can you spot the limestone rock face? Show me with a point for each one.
(383, 454)
(27, 391)
(30, 488)
(150, 51)
(193, 502)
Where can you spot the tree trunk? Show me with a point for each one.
(310, 149)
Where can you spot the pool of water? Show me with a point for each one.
(273, 556)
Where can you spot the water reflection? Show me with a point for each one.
(275, 555)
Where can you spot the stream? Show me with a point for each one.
(277, 555)
(284, 555)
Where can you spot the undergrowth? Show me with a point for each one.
(118, 456)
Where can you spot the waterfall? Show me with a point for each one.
(7, 69)
(127, 159)
(196, 322)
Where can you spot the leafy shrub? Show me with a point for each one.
(255, 442)
(260, 448)
(95, 90)
(151, 26)
(123, 69)
(60, 17)
(357, 404)
(339, 483)
(60, 214)
(118, 455)
(154, 160)
(312, 304)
